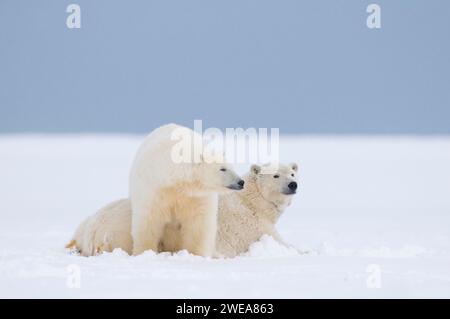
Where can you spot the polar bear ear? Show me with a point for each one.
(294, 166)
(255, 169)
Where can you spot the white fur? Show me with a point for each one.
(244, 216)
(106, 230)
(164, 191)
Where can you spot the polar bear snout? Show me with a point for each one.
(293, 186)
(291, 189)
(238, 185)
(230, 179)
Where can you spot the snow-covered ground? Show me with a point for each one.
(372, 211)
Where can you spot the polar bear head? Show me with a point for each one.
(214, 174)
(275, 185)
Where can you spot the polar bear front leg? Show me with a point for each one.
(277, 237)
(199, 226)
(147, 230)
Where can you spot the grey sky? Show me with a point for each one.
(303, 66)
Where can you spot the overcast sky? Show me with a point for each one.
(302, 66)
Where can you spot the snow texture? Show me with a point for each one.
(371, 220)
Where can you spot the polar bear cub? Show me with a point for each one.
(175, 180)
(243, 216)
(106, 230)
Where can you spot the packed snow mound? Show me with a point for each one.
(267, 247)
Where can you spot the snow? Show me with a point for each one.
(367, 206)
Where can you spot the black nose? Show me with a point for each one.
(292, 186)
(241, 183)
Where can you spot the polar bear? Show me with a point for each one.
(176, 180)
(243, 216)
(246, 216)
(106, 230)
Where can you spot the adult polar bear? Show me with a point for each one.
(175, 181)
(244, 216)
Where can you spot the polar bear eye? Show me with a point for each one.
(223, 169)
(276, 176)
(292, 175)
